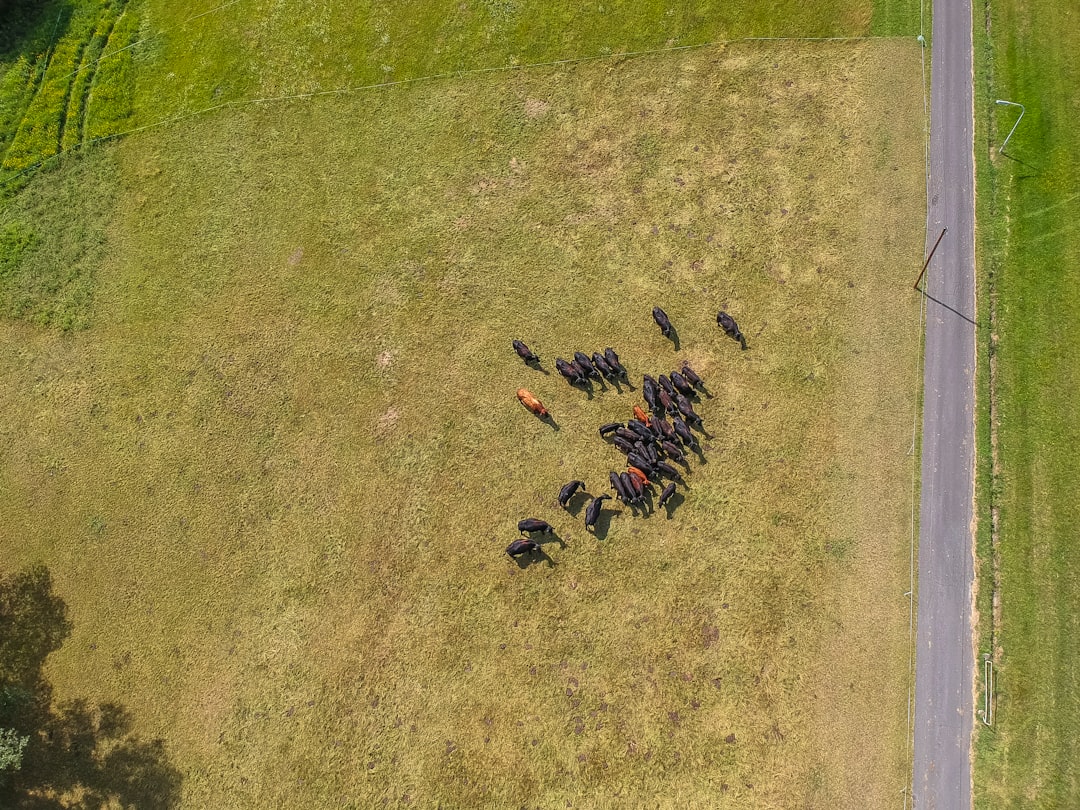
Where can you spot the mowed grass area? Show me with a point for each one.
(1031, 757)
(275, 480)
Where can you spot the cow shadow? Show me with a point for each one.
(544, 539)
(525, 560)
(538, 367)
(549, 420)
(577, 502)
(603, 523)
(674, 338)
(673, 503)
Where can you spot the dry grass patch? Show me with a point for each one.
(286, 486)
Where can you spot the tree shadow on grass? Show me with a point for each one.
(77, 754)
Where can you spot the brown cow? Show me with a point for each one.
(532, 403)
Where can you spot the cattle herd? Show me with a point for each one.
(655, 444)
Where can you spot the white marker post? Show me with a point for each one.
(1011, 131)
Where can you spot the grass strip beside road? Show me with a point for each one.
(1031, 758)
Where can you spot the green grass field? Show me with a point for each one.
(1030, 757)
(265, 439)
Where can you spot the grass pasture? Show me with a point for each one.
(1029, 243)
(274, 480)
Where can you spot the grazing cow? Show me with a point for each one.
(731, 329)
(569, 370)
(532, 403)
(609, 428)
(640, 415)
(662, 321)
(648, 390)
(662, 428)
(632, 487)
(687, 410)
(637, 460)
(643, 431)
(623, 445)
(668, 470)
(654, 426)
(567, 492)
(650, 452)
(627, 433)
(522, 546)
(665, 383)
(603, 367)
(691, 375)
(681, 385)
(582, 361)
(616, 484)
(639, 475)
(534, 526)
(613, 361)
(592, 514)
(673, 451)
(684, 433)
(665, 496)
(525, 353)
(666, 403)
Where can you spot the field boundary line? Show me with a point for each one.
(921, 323)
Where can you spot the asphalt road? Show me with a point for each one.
(944, 666)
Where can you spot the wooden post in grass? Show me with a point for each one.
(928, 258)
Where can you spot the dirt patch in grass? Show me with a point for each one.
(330, 532)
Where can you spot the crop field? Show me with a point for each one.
(263, 434)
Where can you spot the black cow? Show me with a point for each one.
(662, 321)
(636, 460)
(648, 390)
(665, 496)
(665, 383)
(592, 514)
(691, 375)
(613, 361)
(669, 471)
(568, 490)
(582, 361)
(642, 430)
(603, 367)
(534, 526)
(609, 428)
(650, 452)
(623, 445)
(663, 428)
(525, 353)
(569, 370)
(681, 385)
(673, 451)
(616, 484)
(631, 484)
(522, 546)
(686, 408)
(683, 432)
(731, 329)
(626, 434)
